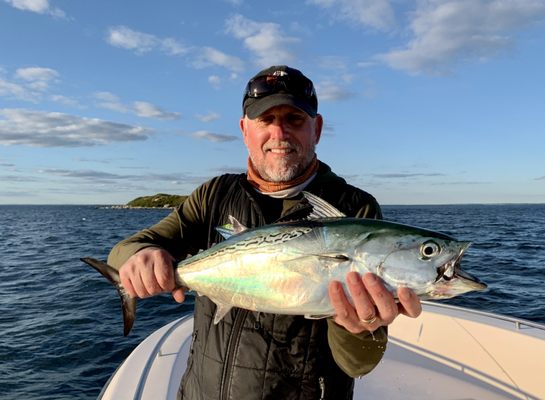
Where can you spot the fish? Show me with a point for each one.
(286, 267)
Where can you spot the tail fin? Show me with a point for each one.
(128, 304)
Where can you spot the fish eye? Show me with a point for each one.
(429, 249)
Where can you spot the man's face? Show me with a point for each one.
(281, 142)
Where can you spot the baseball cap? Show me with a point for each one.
(279, 85)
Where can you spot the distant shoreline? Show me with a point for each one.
(159, 200)
(127, 207)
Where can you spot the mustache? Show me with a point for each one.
(275, 144)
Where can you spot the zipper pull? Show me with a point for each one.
(321, 381)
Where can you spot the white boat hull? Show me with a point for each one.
(447, 353)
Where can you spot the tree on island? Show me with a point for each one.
(160, 200)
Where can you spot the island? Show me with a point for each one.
(159, 200)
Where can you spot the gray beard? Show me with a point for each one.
(287, 170)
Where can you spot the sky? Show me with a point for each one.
(424, 101)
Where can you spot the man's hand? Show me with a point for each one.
(150, 272)
(374, 306)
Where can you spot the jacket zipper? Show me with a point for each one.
(321, 381)
(232, 345)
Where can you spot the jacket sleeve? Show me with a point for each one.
(357, 354)
(164, 234)
(181, 233)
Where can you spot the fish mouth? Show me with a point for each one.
(452, 270)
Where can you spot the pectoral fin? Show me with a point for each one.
(334, 257)
(317, 316)
(221, 310)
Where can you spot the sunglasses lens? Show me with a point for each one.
(266, 85)
(302, 87)
(262, 86)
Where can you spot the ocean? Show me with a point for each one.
(61, 332)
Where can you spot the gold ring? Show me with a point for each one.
(369, 321)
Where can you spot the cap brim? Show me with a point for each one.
(255, 107)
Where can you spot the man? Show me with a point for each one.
(251, 355)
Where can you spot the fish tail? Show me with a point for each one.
(128, 303)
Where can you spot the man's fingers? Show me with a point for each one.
(371, 305)
(124, 276)
(164, 273)
(147, 273)
(409, 303)
(179, 295)
(339, 300)
(365, 309)
(383, 299)
(346, 315)
(149, 281)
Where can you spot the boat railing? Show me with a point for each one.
(518, 323)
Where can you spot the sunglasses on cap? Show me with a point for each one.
(266, 85)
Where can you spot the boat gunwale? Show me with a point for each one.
(519, 323)
(156, 351)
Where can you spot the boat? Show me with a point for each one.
(448, 353)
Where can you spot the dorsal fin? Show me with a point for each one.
(321, 208)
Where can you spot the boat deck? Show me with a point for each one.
(448, 353)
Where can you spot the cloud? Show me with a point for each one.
(203, 57)
(214, 81)
(37, 6)
(332, 91)
(460, 183)
(266, 40)
(37, 78)
(19, 178)
(52, 129)
(140, 43)
(67, 101)
(110, 101)
(129, 180)
(334, 63)
(209, 56)
(447, 32)
(172, 47)
(405, 175)
(140, 108)
(541, 178)
(148, 110)
(15, 90)
(208, 117)
(83, 174)
(214, 137)
(377, 14)
(30, 83)
(228, 169)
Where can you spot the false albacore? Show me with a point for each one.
(285, 268)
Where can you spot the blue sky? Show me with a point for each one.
(424, 102)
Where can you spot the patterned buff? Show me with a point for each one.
(282, 189)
